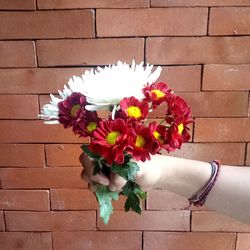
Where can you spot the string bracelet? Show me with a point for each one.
(200, 197)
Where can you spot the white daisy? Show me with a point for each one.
(105, 87)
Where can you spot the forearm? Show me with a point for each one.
(230, 194)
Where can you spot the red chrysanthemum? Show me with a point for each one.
(142, 144)
(71, 109)
(133, 108)
(110, 140)
(156, 93)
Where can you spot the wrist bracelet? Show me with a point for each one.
(200, 197)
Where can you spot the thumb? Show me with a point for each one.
(116, 182)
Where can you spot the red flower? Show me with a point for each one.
(110, 140)
(156, 93)
(71, 109)
(133, 108)
(142, 144)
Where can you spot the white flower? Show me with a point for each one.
(105, 87)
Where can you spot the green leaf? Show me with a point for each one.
(105, 197)
(133, 202)
(127, 171)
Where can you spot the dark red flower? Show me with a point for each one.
(156, 93)
(142, 144)
(110, 140)
(71, 109)
(133, 108)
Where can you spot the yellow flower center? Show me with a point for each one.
(134, 111)
(140, 141)
(157, 136)
(180, 128)
(158, 93)
(91, 126)
(73, 111)
(111, 137)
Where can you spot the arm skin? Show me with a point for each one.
(230, 195)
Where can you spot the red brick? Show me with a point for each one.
(73, 199)
(2, 224)
(22, 155)
(243, 241)
(217, 104)
(24, 55)
(248, 154)
(226, 77)
(18, 5)
(229, 21)
(34, 200)
(19, 131)
(204, 221)
(198, 50)
(69, 4)
(165, 200)
(148, 220)
(97, 240)
(227, 153)
(50, 221)
(18, 106)
(63, 154)
(47, 24)
(188, 241)
(30, 178)
(38, 80)
(25, 241)
(89, 51)
(182, 78)
(169, 3)
(221, 130)
(177, 21)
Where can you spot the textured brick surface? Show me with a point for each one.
(18, 5)
(243, 241)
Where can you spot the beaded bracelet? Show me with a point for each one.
(200, 197)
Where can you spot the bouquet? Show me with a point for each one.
(125, 136)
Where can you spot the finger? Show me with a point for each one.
(116, 182)
(100, 178)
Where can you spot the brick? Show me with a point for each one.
(182, 78)
(227, 153)
(226, 21)
(89, 51)
(221, 130)
(18, 5)
(169, 3)
(47, 24)
(25, 241)
(24, 55)
(18, 106)
(30, 178)
(198, 50)
(50, 221)
(63, 154)
(2, 224)
(165, 200)
(69, 4)
(217, 104)
(37, 80)
(205, 221)
(148, 220)
(22, 155)
(188, 241)
(20, 131)
(97, 240)
(177, 21)
(31, 200)
(226, 77)
(243, 241)
(248, 154)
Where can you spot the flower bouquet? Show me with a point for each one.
(125, 136)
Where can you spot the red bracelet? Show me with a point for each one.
(200, 197)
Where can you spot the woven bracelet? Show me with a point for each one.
(200, 197)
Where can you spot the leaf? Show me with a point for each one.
(105, 197)
(127, 171)
(133, 202)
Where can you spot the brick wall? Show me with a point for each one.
(204, 49)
